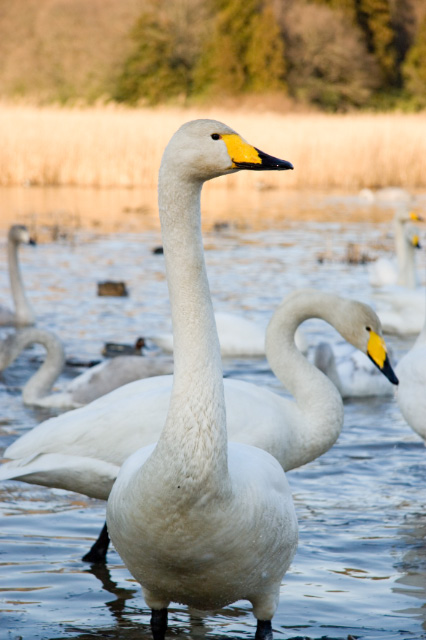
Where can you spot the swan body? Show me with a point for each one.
(23, 315)
(411, 394)
(238, 337)
(353, 374)
(293, 431)
(401, 311)
(93, 383)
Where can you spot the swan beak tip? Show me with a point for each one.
(264, 162)
(389, 372)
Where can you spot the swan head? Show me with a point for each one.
(364, 331)
(19, 234)
(204, 149)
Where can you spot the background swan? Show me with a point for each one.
(401, 311)
(411, 394)
(351, 372)
(385, 272)
(93, 383)
(238, 337)
(23, 314)
(82, 450)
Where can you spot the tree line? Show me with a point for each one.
(334, 54)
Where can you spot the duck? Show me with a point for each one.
(384, 272)
(93, 383)
(352, 373)
(203, 493)
(238, 337)
(23, 315)
(410, 395)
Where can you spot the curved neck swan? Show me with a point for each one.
(318, 408)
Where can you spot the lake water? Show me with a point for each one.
(360, 570)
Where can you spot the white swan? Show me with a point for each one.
(384, 272)
(93, 383)
(411, 393)
(401, 311)
(238, 337)
(23, 314)
(203, 495)
(352, 372)
(82, 450)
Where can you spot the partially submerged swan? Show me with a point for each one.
(353, 374)
(23, 314)
(82, 450)
(384, 272)
(401, 311)
(238, 337)
(93, 383)
(411, 393)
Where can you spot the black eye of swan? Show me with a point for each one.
(215, 136)
(368, 329)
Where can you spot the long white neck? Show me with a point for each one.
(24, 314)
(40, 384)
(195, 431)
(319, 406)
(405, 255)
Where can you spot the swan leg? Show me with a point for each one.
(159, 623)
(99, 549)
(263, 630)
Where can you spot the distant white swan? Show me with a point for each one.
(385, 272)
(93, 383)
(23, 314)
(352, 373)
(401, 311)
(411, 393)
(238, 337)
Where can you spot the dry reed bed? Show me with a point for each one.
(114, 147)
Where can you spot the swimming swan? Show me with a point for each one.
(384, 272)
(238, 337)
(23, 314)
(202, 494)
(411, 393)
(93, 383)
(352, 373)
(401, 311)
(82, 450)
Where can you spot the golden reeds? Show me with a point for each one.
(117, 147)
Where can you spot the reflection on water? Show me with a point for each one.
(360, 569)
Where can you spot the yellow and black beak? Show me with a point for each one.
(416, 217)
(244, 156)
(416, 242)
(376, 351)
(265, 163)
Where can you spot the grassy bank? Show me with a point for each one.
(112, 147)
